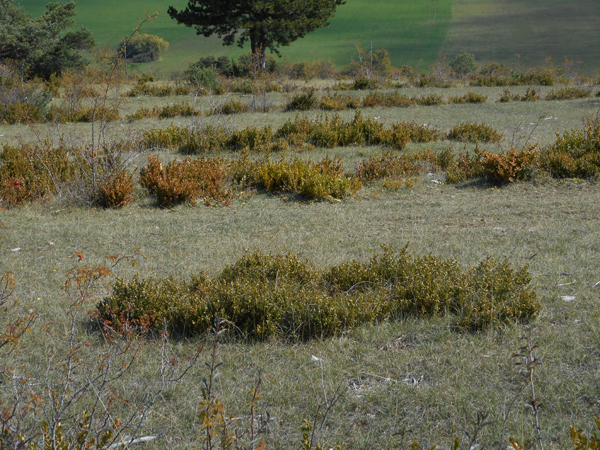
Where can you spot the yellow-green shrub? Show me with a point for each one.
(318, 181)
(473, 132)
(281, 296)
(568, 93)
(29, 172)
(575, 153)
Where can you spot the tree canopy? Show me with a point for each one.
(267, 24)
(42, 45)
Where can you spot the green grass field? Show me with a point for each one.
(535, 29)
(415, 33)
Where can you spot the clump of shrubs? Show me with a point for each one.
(302, 102)
(568, 93)
(163, 112)
(575, 153)
(313, 180)
(338, 102)
(469, 97)
(281, 296)
(185, 181)
(473, 132)
(393, 100)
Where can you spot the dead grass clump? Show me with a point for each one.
(473, 132)
(266, 296)
(185, 181)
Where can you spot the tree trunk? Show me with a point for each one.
(259, 53)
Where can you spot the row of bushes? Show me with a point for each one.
(327, 132)
(263, 296)
(30, 172)
(575, 154)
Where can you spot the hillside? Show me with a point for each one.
(416, 33)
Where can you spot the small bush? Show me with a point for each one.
(31, 172)
(464, 64)
(473, 132)
(363, 83)
(429, 100)
(338, 102)
(469, 97)
(202, 77)
(314, 180)
(568, 93)
(575, 153)
(185, 181)
(231, 106)
(143, 88)
(511, 166)
(115, 191)
(387, 100)
(302, 102)
(143, 48)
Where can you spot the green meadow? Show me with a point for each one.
(415, 32)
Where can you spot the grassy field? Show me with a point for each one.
(410, 31)
(410, 379)
(534, 30)
(415, 33)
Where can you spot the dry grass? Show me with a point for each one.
(550, 225)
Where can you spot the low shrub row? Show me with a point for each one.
(327, 132)
(264, 296)
(99, 176)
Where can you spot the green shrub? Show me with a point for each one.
(363, 83)
(314, 180)
(281, 296)
(429, 100)
(575, 153)
(387, 100)
(32, 172)
(469, 97)
(568, 93)
(338, 102)
(473, 132)
(202, 77)
(143, 48)
(302, 102)
(464, 63)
